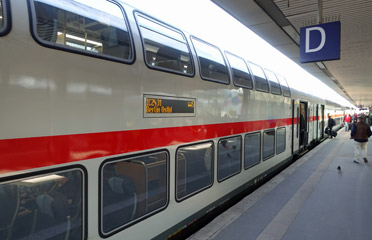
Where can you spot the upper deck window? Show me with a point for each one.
(1, 15)
(241, 74)
(284, 85)
(260, 80)
(211, 61)
(274, 84)
(96, 28)
(165, 47)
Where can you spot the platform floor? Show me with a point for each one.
(309, 200)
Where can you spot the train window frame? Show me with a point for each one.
(284, 85)
(218, 158)
(76, 50)
(245, 150)
(39, 177)
(5, 15)
(146, 215)
(248, 72)
(276, 140)
(191, 194)
(264, 158)
(273, 81)
(208, 78)
(259, 80)
(161, 29)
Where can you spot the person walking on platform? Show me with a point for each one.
(347, 120)
(360, 133)
(331, 123)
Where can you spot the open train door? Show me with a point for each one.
(293, 124)
(317, 121)
(322, 121)
(303, 124)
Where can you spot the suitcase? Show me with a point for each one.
(333, 134)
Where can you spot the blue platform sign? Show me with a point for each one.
(320, 42)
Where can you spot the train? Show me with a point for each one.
(118, 125)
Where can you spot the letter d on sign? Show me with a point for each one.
(322, 37)
(320, 42)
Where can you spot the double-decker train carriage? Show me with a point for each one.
(117, 125)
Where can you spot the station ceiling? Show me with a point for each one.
(279, 22)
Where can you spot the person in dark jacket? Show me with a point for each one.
(331, 124)
(360, 133)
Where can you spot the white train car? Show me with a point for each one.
(116, 125)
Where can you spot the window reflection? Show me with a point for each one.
(241, 75)
(84, 27)
(43, 207)
(212, 64)
(252, 149)
(133, 188)
(229, 157)
(268, 144)
(165, 48)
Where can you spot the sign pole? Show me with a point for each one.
(320, 11)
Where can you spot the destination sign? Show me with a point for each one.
(162, 106)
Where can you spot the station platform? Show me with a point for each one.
(311, 199)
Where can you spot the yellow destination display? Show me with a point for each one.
(168, 105)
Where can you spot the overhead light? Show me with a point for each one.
(333, 78)
(1, 17)
(80, 39)
(320, 65)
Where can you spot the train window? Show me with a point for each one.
(280, 140)
(211, 61)
(241, 74)
(274, 84)
(284, 85)
(252, 149)
(260, 80)
(1, 16)
(165, 48)
(229, 157)
(48, 206)
(268, 144)
(4, 19)
(97, 28)
(194, 169)
(132, 188)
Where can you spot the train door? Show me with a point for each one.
(322, 121)
(293, 124)
(303, 124)
(317, 121)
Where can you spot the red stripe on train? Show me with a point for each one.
(24, 153)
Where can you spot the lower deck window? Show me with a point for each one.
(194, 169)
(132, 188)
(252, 149)
(268, 144)
(229, 157)
(43, 207)
(280, 140)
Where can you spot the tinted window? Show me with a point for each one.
(284, 85)
(229, 157)
(132, 188)
(1, 16)
(96, 28)
(194, 169)
(260, 80)
(252, 149)
(241, 74)
(280, 140)
(274, 84)
(211, 61)
(165, 48)
(268, 144)
(43, 207)
(4, 20)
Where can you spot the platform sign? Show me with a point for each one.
(320, 42)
